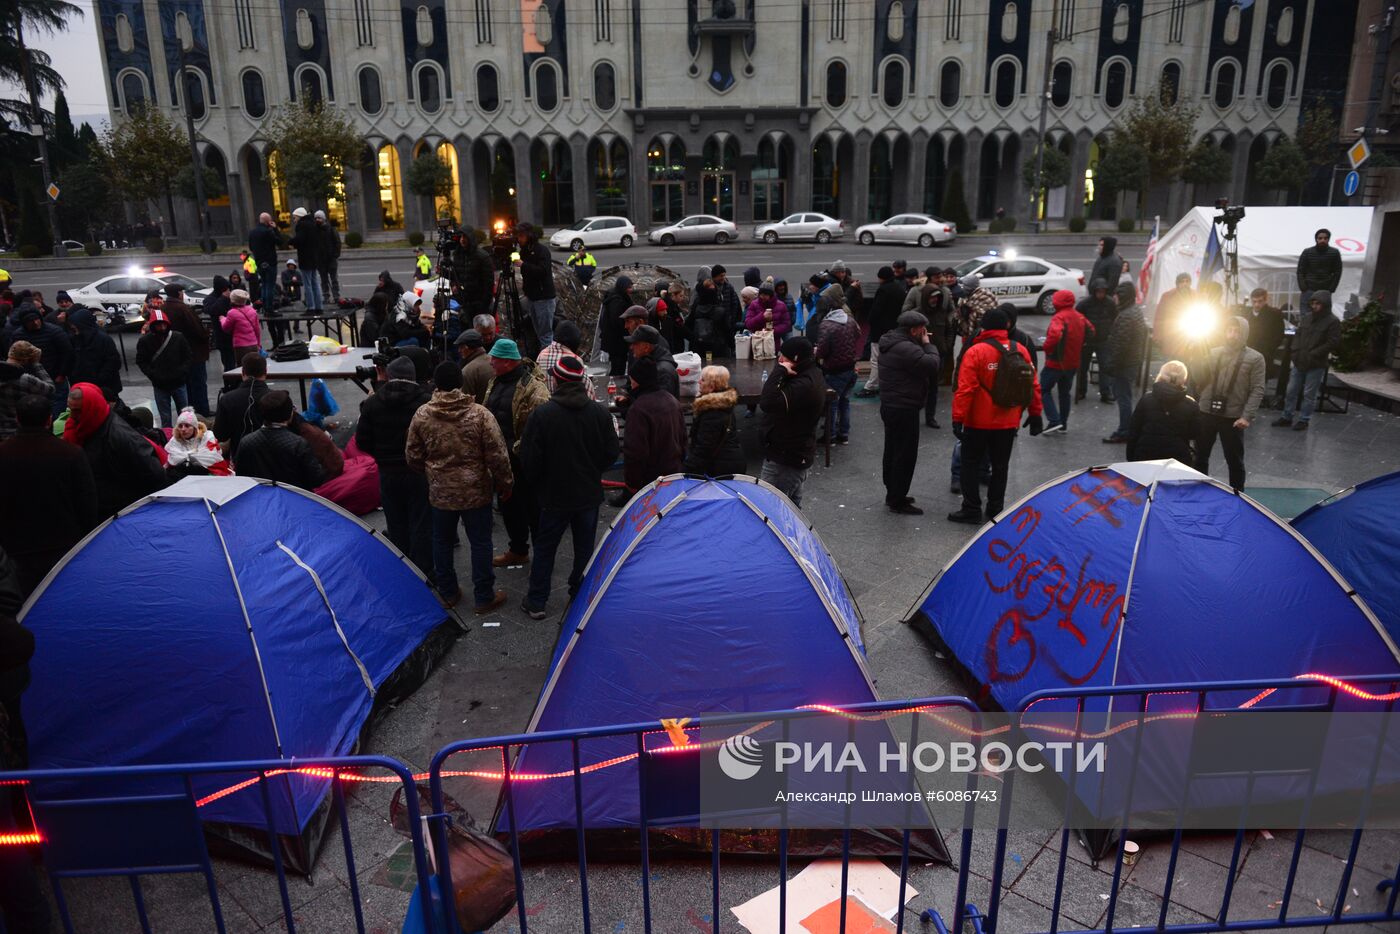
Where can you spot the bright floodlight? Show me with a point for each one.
(1010, 254)
(133, 270)
(1199, 321)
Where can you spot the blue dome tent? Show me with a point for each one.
(1140, 574)
(1357, 531)
(224, 619)
(705, 597)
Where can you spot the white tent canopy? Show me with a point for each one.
(1270, 239)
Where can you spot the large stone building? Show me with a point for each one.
(553, 109)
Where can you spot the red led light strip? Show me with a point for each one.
(27, 839)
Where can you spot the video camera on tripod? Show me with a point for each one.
(1229, 215)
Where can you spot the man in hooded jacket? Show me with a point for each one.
(911, 362)
(1108, 265)
(382, 434)
(95, 356)
(55, 348)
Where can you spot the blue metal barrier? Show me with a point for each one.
(88, 828)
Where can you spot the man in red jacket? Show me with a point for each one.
(986, 429)
(1064, 343)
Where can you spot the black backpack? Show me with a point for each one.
(1013, 387)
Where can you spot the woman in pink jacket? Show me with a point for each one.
(768, 311)
(242, 323)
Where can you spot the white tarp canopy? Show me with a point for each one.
(1270, 239)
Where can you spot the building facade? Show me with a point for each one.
(550, 110)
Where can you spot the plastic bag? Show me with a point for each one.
(323, 345)
(688, 370)
(742, 345)
(320, 404)
(765, 345)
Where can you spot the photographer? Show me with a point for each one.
(1234, 388)
(536, 281)
(476, 277)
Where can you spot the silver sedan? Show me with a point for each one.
(804, 226)
(697, 228)
(923, 229)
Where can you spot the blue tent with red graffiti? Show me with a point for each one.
(1145, 573)
(1357, 531)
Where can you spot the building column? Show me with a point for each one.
(800, 179)
(860, 182)
(638, 194)
(469, 211)
(1239, 181)
(583, 181)
(917, 172)
(527, 193)
(412, 204)
(354, 202)
(972, 173)
(1078, 165)
(238, 205)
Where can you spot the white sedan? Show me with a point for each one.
(116, 293)
(923, 229)
(593, 232)
(697, 228)
(1024, 281)
(804, 226)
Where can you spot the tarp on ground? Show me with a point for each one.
(222, 619)
(1270, 239)
(1358, 531)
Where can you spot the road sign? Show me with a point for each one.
(53, 191)
(1359, 152)
(1351, 183)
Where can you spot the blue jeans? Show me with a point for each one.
(787, 479)
(1062, 381)
(1309, 383)
(163, 399)
(477, 522)
(542, 314)
(197, 389)
(840, 416)
(583, 527)
(1122, 389)
(311, 286)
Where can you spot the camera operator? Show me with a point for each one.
(1319, 268)
(476, 276)
(536, 281)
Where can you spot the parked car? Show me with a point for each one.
(72, 246)
(923, 229)
(697, 228)
(117, 292)
(594, 232)
(804, 226)
(1024, 281)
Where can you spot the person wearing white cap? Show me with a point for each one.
(192, 448)
(310, 247)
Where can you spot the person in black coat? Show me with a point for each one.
(311, 249)
(55, 347)
(1319, 267)
(237, 413)
(263, 241)
(165, 357)
(793, 401)
(52, 498)
(567, 444)
(383, 434)
(1266, 329)
(885, 308)
(1166, 420)
(215, 307)
(1108, 265)
(1100, 308)
(654, 444)
(618, 300)
(124, 463)
(910, 362)
(276, 451)
(386, 284)
(714, 449)
(376, 319)
(95, 356)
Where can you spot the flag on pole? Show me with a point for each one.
(1145, 274)
(1213, 262)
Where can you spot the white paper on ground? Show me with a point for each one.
(820, 884)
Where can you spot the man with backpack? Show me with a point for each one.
(996, 385)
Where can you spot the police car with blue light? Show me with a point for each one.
(1027, 282)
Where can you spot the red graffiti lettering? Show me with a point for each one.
(1117, 488)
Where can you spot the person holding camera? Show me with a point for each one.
(536, 281)
(1233, 389)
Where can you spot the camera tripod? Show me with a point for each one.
(519, 325)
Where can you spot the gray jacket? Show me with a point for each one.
(1242, 398)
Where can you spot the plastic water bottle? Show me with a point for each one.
(764, 378)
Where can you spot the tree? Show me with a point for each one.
(33, 226)
(1054, 171)
(1284, 168)
(1319, 136)
(87, 201)
(1207, 164)
(65, 148)
(142, 155)
(955, 203)
(431, 177)
(213, 183)
(18, 17)
(1162, 130)
(1124, 167)
(316, 147)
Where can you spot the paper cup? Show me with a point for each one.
(1130, 853)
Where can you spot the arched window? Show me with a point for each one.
(609, 167)
(554, 167)
(1122, 19)
(604, 87)
(1283, 33)
(429, 88)
(449, 204)
(1115, 84)
(254, 94)
(894, 82)
(770, 175)
(390, 188)
(950, 84)
(1061, 80)
(1009, 23)
(309, 87)
(488, 89)
(1004, 88)
(894, 25)
(1227, 77)
(423, 26)
(306, 35)
(133, 92)
(1277, 92)
(546, 86)
(371, 92)
(1170, 85)
(836, 84)
(192, 84)
(126, 40)
(1232, 24)
(666, 176)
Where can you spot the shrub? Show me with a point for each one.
(1127, 224)
(28, 251)
(415, 238)
(1008, 224)
(92, 248)
(354, 239)
(1077, 224)
(155, 245)
(994, 226)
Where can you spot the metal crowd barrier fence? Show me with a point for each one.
(98, 834)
